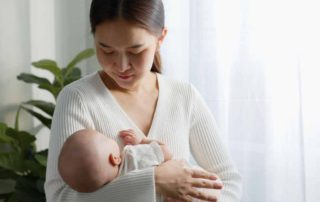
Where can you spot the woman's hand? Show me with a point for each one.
(176, 181)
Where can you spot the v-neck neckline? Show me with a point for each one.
(127, 117)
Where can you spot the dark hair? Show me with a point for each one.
(148, 14)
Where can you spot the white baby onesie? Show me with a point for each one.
(141, 156)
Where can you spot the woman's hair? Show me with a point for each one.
(148, 14)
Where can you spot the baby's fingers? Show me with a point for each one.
(126, 133)
(128, 138)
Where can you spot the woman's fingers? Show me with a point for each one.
(210, 184)
(202, 196)
(176, 180)
(171, 200)
(186, 198)
(197, 173)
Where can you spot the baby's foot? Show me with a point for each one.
(128, 137)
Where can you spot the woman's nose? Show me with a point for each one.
(123, 63)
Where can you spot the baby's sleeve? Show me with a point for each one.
(140, 156)
(70, 116)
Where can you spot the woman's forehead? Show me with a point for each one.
(122, 34)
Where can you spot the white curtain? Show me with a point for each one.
(257, 64)
(254, 61)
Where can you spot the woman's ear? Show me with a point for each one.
(162, 37)
(114, 160)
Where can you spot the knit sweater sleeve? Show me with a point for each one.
(209, 150)
(71, 115)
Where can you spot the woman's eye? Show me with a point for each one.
(107, 52)
(135, 53)
(132, 53)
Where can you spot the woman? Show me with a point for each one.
(130, 92)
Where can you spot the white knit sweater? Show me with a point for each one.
(182, 121)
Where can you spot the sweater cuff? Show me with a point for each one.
(144, 181)
(157, 151)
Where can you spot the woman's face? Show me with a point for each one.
(125, 52)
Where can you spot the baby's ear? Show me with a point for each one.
(114, 160)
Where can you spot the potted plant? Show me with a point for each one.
(20, 162)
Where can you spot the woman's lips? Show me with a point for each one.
(124, 77)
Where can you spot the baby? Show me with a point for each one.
(88, 159)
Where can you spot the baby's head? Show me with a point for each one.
(88, 160)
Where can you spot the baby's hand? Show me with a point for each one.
(128, 137)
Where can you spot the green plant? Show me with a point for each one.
(19, 159)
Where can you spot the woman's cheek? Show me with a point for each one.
(103, 59)
(144, 61)
(100, 56)
(136, 62)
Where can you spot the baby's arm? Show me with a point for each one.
(128, 137)
(165, 150)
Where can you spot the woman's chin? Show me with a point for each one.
(126, 83)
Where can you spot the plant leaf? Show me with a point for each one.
(47, 107)
(16, 122)
(7, 174)
(4, 138)
(73, 76)
(12, 198)
(78, 58)
(40, 185)
(49, 65)
(23, 139)
(13, 145)
(52, 89)
(3, 128)
(41, 159)
(5, 195)
(11, 161)
(26, 190)
(44, 120)
(35, 168)
(30, 78)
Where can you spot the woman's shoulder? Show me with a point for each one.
(84, 86)
(177, 87)
(175, 84)
(85, 81)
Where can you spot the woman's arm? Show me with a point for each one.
(174, 178)
(72, 115)
(209, 151)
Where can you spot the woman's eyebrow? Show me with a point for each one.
(134, 46)
(104, 45)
